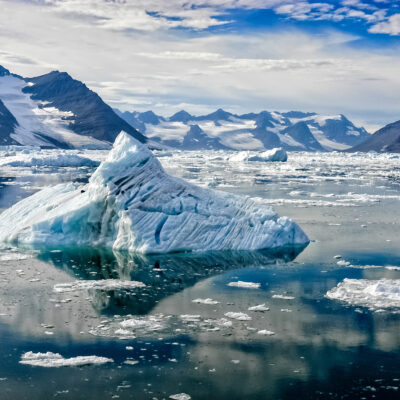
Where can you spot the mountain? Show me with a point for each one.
(293, 130)
(386, 139)
(55, 110)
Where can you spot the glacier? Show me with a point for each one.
(131, 203)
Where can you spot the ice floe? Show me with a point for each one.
(180, 396)
(283, 297)
(265, 332)
(131, 203)
(105, 284)
(260, 307)
(205, 301)
(238, 315)
(57, 360)
(245, 285)
(373, 294)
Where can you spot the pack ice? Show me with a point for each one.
(131, 203)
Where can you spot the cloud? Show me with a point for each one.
(391, 26)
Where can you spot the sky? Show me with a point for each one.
(330, 57)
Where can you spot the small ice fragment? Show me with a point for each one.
(338, 256)
(283, 297)
(180, 396)
(238, 315)
(246, 285)
(235, 361)
(131, 362)
(260, 307)
(286, 310)
(265, 332)
(343, 263)
(205, 301)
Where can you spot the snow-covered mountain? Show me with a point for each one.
(55, 110)
(386, 139)
(255, 131)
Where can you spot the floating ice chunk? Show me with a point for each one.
(283, 297)
(246, 285)
(392, 268)
(57, 360)
(343, 263)
(238, 315)
(260, 307)
(265, 332)
(205, 301)
(105, 284)
(180, 396)
(131, 203)
(373, 294)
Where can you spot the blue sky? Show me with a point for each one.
(243, 55)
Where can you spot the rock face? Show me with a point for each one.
(131, 203)
(293, 131)
(386, 139)
(55, 110)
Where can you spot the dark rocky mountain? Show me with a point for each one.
(91, 116)
(386, 139)
(301, 133)
(8, 123)
(55, 110)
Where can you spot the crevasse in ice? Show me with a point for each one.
(131, 203)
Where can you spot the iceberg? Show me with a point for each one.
(131, 203)
(273, 155)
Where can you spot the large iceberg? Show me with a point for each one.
(131, 203)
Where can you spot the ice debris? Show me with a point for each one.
(373, 294)
(105, 284)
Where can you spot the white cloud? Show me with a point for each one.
(391, 26)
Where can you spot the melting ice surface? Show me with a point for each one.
(167, 332)
(131, 203)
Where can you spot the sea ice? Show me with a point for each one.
(238, 315)
(131, 203)
(246, 285)
(57, 360)
(180, 396)
(260, 307)
(373, 294)
(205, 301)
(283, 297)
(266, 332)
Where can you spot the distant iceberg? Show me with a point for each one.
(273, 155)
(131, 203)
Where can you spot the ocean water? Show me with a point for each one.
(166, 339)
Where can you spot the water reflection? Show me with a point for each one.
(163, 275)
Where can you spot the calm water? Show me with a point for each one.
(320, 349)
